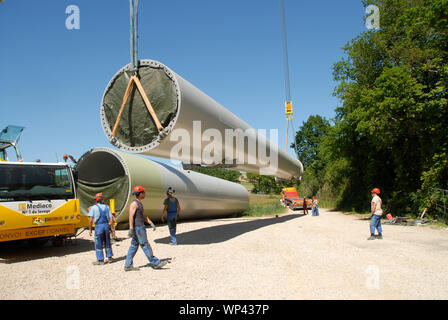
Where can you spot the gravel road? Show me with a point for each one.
(287, 257)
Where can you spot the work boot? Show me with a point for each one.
(372, 237)
(98, 263)
(131, 268)
(110, 260)
(160, 265)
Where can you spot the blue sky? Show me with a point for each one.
(52, 79)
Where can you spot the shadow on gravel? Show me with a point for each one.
(221, 233)
(169, 260)
(367, 219)
(19, 251)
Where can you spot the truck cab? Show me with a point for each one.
(38, 200)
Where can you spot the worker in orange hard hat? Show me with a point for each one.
(101, 215)
(375, 215)
(137, 231)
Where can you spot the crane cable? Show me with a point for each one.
(133, 8)
(288, 103)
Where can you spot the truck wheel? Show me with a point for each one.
(37, 242)
(57, 241)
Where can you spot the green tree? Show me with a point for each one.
(391, 128)
(308, 142)
(266, 184)
(226, 174)
(308, 139)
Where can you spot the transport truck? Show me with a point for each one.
(37, 200)
(291, 199)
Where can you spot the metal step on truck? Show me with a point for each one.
(37, 200)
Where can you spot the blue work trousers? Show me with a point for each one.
(172, 223)
(102, 238)
(375, 223)
(140, 239)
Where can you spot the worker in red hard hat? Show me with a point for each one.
(101, 215)
(375, 215)
(137, 231)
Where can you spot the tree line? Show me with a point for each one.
(259, 184)
(391, 128)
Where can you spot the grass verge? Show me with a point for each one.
(263, 205)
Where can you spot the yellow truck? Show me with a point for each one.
(38, 200)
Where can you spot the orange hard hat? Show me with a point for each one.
(375, 190)
(138, 189)
(99, 197)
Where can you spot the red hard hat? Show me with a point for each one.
(375, 190)
(99, 197)
(138, 189)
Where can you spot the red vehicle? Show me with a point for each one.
(291, 199)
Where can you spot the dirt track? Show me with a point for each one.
(289, 257)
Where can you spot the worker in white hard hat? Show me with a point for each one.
(171, 212)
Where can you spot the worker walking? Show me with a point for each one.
(137, 231)
(101, 215)
(315, 207)
(171, 211)
(305, 206)
(375, 215)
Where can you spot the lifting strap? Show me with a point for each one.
(132, 80)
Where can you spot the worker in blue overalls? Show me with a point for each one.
(101, 215)
(171, 211)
